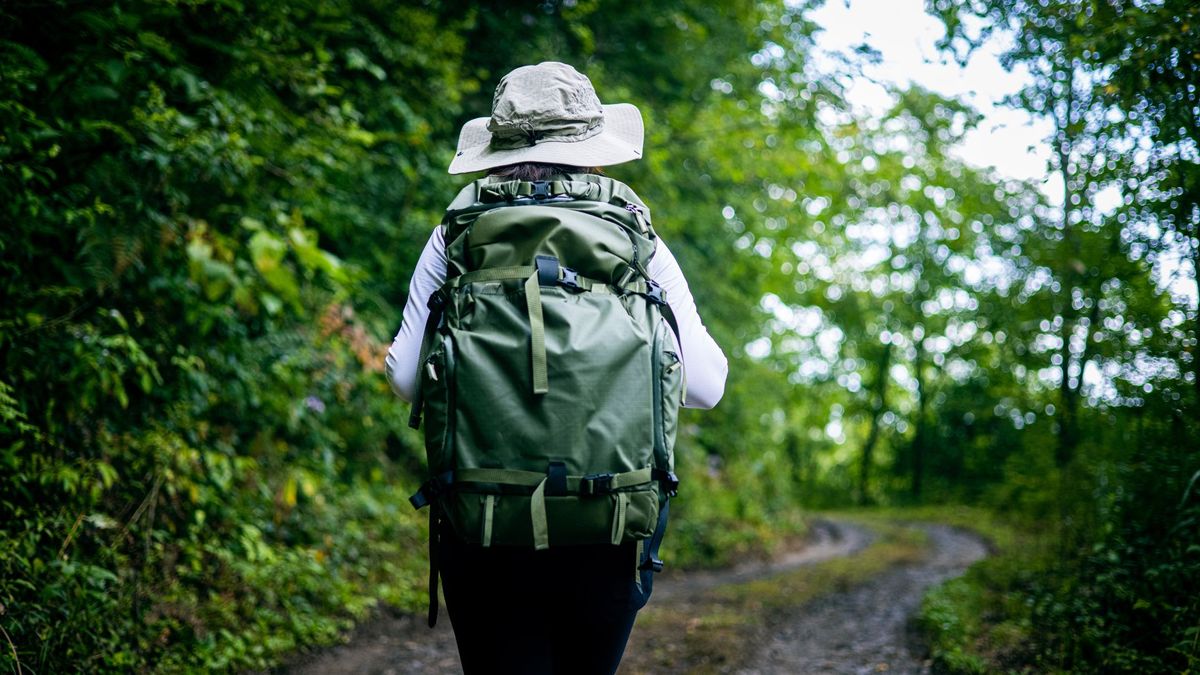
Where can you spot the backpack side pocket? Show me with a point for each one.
(437, 385)
(668, 396)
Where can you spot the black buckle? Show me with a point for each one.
(652, 563)
(430, 490)
(570, 279)
(595, 484)
(419, 500)
(541, 191)
(654, 293)
(671, 484)
(437, 300)
(547, 269)
(667, 480)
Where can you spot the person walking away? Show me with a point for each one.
(548, 339)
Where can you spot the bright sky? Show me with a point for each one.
(1009, 140)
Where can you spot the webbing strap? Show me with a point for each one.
(433, 565)
(622, 505)
(533, 300)
(637, 562)
(503, 476)
(490, 274)
(489, 504)
(437, 302)
(513, 190)
(537, 514)
(522, 272)
(669, 315)
(537, 334)
(629, 478)
(534, 478)
(652, 562)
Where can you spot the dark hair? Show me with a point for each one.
(539, 171)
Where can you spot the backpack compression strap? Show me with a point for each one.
(554, 482)
(545, 272)
(436, 304)
(585, 486)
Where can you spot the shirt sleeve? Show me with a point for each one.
(402, 356)
(704, 365)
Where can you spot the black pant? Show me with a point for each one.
(568, 609)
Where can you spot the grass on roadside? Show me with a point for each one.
(980, 622)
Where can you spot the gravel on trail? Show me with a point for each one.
(864, 629)
(827, 540)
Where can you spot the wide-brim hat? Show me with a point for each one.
(549, 113)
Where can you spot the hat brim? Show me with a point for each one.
(620, 141)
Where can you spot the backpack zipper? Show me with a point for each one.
(638, 215)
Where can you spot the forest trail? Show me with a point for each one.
(866, 629)
(860, 629)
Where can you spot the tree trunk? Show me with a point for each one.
(878, 404)
(919, 435)
(1196, 321)
(1067, 438)
(1186, 211)
(799, 466)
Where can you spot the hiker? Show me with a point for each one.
(544, 606)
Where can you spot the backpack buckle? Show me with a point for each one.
(671, 484)
(651, 563)
(431, 489)
(654, 292)
(667, 480)
(570, 279)
(595, 484)
(541, 190)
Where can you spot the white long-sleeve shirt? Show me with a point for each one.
(704, 366)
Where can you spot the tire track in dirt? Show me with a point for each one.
(867, 629)
(827, 540)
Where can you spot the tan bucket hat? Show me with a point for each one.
(549, 113)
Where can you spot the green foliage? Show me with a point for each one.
(1116, 592)
(200, 457)
(1126, 603)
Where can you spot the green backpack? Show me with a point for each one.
(549, 383)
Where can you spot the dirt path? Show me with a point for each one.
(388, 644)
(866, 629)
(827, 540)
(860, 630)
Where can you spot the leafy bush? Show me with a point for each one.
(1112, 585)
(201, 458)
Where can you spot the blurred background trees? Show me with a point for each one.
(212, 209)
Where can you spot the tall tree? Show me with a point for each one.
(1152, 52)
(1115, 81)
